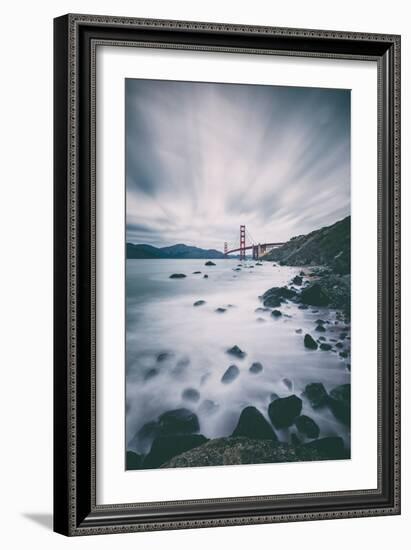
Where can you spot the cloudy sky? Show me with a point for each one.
(202, 158)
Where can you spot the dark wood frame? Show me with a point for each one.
(76, 38)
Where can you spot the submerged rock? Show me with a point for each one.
(287, 383)
(166, 447)
(252, 424)
(256, 368)
(309, 342)
(299, 330)
(177, 276)
(237, 352)
(208, 407)
(164, 355)
(314, 295)
(221, 310)
(151, 373)
(316, 394)
(178, 421)
(205, 276)
(284, 411)
(307, 426)
(320, 328)
(191, 394)
(340, 403)
(230, 374)
(133, 461)
(209, 263)
(199, 303)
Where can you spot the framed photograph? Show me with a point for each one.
(227, 278)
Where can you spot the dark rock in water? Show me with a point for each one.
(316, 394)
(302, 274)
(315, 295)
(297, 280)
(328, 448)
(237, 269)
(258, 263)
(348, 365)
(230, 374)
(340, 403)
(166, 447)
(284, 411)
(177, 276)
(237, 352)
(274, 396)
(275, 296)
(299, 331)
(343, 335)
(205, 276)
(320, 322)
(181, 366)
(204, 378)
(339, 345)
(190, 394)
(199, 303)
(309, 342)
(196, 272)
(252, 424)
(287, 383)
(178, 421)
(220, 310)
(261, 309)
(320, 328)
(151, 373)
(149, 431)
(325, 347)
(163, 356)
(276, 313)
(302, 306)
(307, 426)
(256, 368)
(343, 354)
(209, 263)
(315, 310)
(274, 265)
(208, 407)
(322, 339)
(133, 461)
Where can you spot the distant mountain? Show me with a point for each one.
(330, 246)
(177, 251)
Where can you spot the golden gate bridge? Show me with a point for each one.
(257, 249)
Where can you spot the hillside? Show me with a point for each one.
(329, 246)
(177, 251)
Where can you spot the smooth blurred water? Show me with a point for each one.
(161, 318)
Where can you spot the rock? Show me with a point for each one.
(220, 310)
(230, 374)
(320, 328)
(256, 368)
(328, 448)
(284, 411)
(295, 440)
(205, 276)
(343, 335)
(258, 263)
(166, 447)
(133, 461)
(343, 354)
(322, 339)
(320, 322)
(252, 424)
(307, 426)
(196, 272)
(325, 347)
(302, 306)
(237, 269)
(274, 396)
(178, 421)
(276, 313)
(299, 331)
(316, 394)
(340, 403)
(309, 342)
(208, 407)
(297, 280)
(190, 394)
(237, 352)
(314, 295)
(275, 296)
(163, 356)
(302, 274)
(177, 276)
(149, 431)
(199, 303)
(209, 263)
(261, 309)
(287, 383)
(151, 373)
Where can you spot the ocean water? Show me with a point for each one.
(172, 346)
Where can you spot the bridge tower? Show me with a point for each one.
(225, 248)
(242, 242)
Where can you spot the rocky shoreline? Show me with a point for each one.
(174, 438)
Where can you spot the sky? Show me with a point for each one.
(204, 158)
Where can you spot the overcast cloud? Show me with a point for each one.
(204, 158)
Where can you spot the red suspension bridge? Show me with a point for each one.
(248, 243)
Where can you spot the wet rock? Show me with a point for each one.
(343, 354)
(220, 310)
(316, 394)
(190, 394)
(166, 447)
(325, 347)
(208, 407)
(258, 263)
(237, 352)
(276, 313)
(287, 383)
(314, 295)
(252, 424)
(320, 322)
(302, 274)
(275, 296)
(299, 331)
(151, 373)
(261, 309)
(178, 421)
(209, 263)
(307, 426)
(343, 335)
(339, 345)
(322, 339)
(309, 342)
(302, 306)
(177, 276)
(230, 374)
(199, 303)
(256, 368)
(284, 411)
(237, 269)
(133, 461)
(297, 280)
(340, 403)
(196, 272)
(205, 276)
(148, 431)
(320, 328)
(295, 440)
(328, 448)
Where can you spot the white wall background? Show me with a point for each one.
(26, 273)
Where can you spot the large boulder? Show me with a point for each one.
(166, 447)
(134, 461)
(328, 448)
(275, 296)
(306, 425)
(314, 295)
(178, 421)
(252, 424)
(284, 411)
(340, 403)
(230, 374)
(309, 342)
(316, 394)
